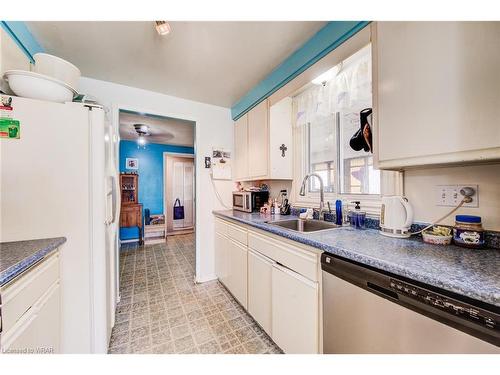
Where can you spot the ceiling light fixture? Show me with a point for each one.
(163, 27)
(141, 141)
(322, 79)
(142, 131)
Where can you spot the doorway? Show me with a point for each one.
(179, 193)
(158, 151)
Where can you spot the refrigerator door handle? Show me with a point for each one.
(112, 193)
(113, 199)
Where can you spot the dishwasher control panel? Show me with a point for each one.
(449, 305)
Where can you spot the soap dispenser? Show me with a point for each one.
(357, 217)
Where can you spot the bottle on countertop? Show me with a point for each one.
(338, 212)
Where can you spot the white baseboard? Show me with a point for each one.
(206, 278)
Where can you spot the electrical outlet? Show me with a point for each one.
(449, 196)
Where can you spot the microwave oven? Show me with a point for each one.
(249, 201)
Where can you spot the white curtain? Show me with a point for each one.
(348, 88)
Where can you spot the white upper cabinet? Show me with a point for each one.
(280, 140)
(263, 142)
(436, 93)
(258, 138)
(241, 148)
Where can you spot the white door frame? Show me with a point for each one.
(115, 115)
(165, 198)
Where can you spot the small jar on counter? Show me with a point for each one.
(468, 231)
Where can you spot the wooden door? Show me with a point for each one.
(179, 184)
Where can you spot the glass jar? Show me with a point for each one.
(468, 231)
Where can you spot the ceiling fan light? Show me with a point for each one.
(163, 27)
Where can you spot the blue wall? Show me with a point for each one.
(150, 175)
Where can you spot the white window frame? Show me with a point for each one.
(391, 182)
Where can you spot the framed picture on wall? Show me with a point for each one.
(131, 163)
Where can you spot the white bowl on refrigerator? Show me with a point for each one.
(38, 86)
(57, 68)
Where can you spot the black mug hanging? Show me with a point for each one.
(178, 210)
(362, 139)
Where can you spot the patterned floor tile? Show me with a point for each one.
(162, 310)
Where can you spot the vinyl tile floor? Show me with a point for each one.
(163, 311)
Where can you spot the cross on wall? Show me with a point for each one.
(283, 148)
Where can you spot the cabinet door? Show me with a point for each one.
(221, 257)
(280, 140)
(258, 140)
(38, 330)
(437, 94)
(241, 148)
(49, 321)
(237, 271)
(295, 317)
(260, 270)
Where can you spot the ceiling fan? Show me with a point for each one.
(142, 131)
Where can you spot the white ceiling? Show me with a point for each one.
(210, 62)
(163, 130)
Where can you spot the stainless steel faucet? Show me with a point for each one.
(321, 192)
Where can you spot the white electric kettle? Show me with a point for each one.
(396, 216)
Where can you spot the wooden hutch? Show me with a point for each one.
(131, 209)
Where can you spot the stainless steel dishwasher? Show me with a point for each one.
(369, 311)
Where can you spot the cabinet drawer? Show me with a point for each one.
(234, 231)
(237, 233)
(220, 227)
(293, 257)
(19, 296)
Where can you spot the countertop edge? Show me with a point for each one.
(23, 265)
(393, 268)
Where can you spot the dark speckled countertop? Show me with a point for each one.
(468, 272)
(16, 257)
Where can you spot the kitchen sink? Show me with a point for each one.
(300, 225)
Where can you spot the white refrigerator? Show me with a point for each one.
(59, 179)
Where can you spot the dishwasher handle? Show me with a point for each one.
(377, 289)
(362, 276)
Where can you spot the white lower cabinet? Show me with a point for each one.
(31, 310)
(260, 270)
(221, 257)
(38, 330)
(295, 311)
(276, 280)
(237, 271)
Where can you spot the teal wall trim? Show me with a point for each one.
(323, 42)
(20, 33)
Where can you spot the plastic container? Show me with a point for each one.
(357, 217)
(38, 86)
(436, 240)
(57, 68)
(468, 231)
